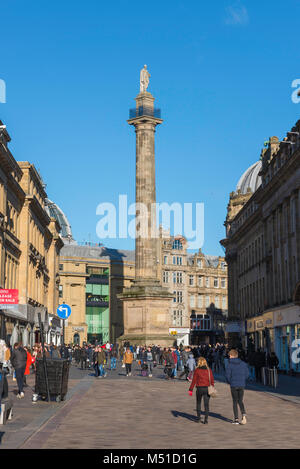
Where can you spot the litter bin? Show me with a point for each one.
(58, 377)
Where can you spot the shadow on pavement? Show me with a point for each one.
(193, 418)
(1, 436)
(219, 417)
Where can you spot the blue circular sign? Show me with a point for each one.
(64, 311)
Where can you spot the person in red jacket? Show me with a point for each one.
(28, 364)
(202, 378)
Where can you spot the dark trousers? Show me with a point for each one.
(83, 361)
(20, 379)
(128, 368)
(237, 399)
(202, 391)
(185, 372)
(96, 368)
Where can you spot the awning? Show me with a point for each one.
(17, 312)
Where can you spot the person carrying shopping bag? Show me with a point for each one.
(203, 379)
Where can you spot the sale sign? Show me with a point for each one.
(9, 297)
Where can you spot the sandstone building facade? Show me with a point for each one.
(198, 284)
(263, 251)
(29, 247)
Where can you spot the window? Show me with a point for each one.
(179, 277)
(174, 260)
(202, 322)
(200, 301)
(199, 263)
(177, 318)
(175, 297)
(223, 283)
(174, 277)
(216, 282)
(207, 301)
(191, 280)
(60, 290)
(179, 260)
(192, 301)
(207, 281)
(179, 297)
(224, 302)
(200, 281)
(166, 277)
(165, 260)
(61, 267)
(223, 265)
(177, 244)
(217, 302)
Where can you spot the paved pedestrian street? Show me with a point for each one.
(138, 412)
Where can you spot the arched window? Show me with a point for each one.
(76, 339)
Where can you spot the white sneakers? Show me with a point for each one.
(21, 395)
(243, 421)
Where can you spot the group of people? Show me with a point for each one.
(19, 360)
(237, 373)
(195, 364)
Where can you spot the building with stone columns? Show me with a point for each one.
(30, 243)
(263, 251)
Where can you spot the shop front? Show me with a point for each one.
(287, 338)
(235, 334)
(17, 324)
(260, 333)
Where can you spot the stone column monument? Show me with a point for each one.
(146, 303)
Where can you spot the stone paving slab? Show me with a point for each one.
(120, 412)
(28, 417)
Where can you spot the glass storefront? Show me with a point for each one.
(287, 349)
(97, 305)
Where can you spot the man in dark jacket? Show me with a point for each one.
(18, 361)
(83, 357)
(237, 373)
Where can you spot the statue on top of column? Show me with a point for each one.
(144, 79)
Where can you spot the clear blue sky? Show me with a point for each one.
(220, 71)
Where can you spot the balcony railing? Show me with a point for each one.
(144, 111)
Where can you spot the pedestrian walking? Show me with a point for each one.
(19, 360)
(101, 361)
(185, 356)
(127, 361)
(237, 373)
(202, 379)
(191, 365)
(83, 358)
(149, 360)
(29, 362)
(113, 358)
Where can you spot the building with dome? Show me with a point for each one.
(54, 211)
(263, 251)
